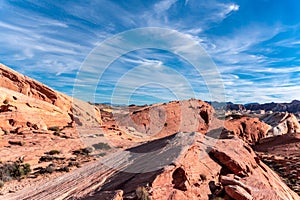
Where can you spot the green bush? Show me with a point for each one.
(53, 152)
(13, 170)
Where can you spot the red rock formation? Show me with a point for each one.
(247, 128)
(282, 123)
(26, 103)
(12, 80)
(178, 167)
(165, 119)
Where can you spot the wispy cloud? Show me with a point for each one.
(49, 41)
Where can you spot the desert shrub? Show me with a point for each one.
(53, 152)
(73, 163)
(102, 154)
(49, 158)
(64, 169)
(49, 169)
(87, 150)
(13, 170)
(101, 146)
(84, 151)
(142, 193)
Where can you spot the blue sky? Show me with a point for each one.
(255, 45)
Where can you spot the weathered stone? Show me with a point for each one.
(237, 192)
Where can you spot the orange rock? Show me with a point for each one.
(25, 102)
(237, 192)
(161, 120)
(247, 128)
(282, 123)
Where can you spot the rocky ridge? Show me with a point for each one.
(221, 168)
(28, 104)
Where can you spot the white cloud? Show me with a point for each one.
(163, 6)
(234, 7)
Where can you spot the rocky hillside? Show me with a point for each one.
(249, 129)
(163, 151)
(281, 123)
(292, 107)
(36, 122)
(160, 120)
(28, 104)
(181, 166)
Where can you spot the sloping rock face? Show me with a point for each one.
(282, 123)
(282, 154)
(230, 169)
(26, 103)
(165, 119)
(181, 166)
(20, 111)
(247, 128)
(12, 80)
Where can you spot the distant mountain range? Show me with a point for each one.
(292, 107)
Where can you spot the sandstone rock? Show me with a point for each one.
(281, 123)
(247, 128)
(161, 120)
(172, 168)
(25, 102)
(237, 192)
(108, 195)
(225, 180)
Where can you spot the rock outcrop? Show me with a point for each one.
(27, 103)
(282, 154)
(180, 166)
(281, 123)
(160, 120)
(249, 129)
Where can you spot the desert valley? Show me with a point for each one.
(55, 147)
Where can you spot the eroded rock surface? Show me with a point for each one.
(27, 103)
(249, 129)
(281, 123)
(175, 167)
(161, 120)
